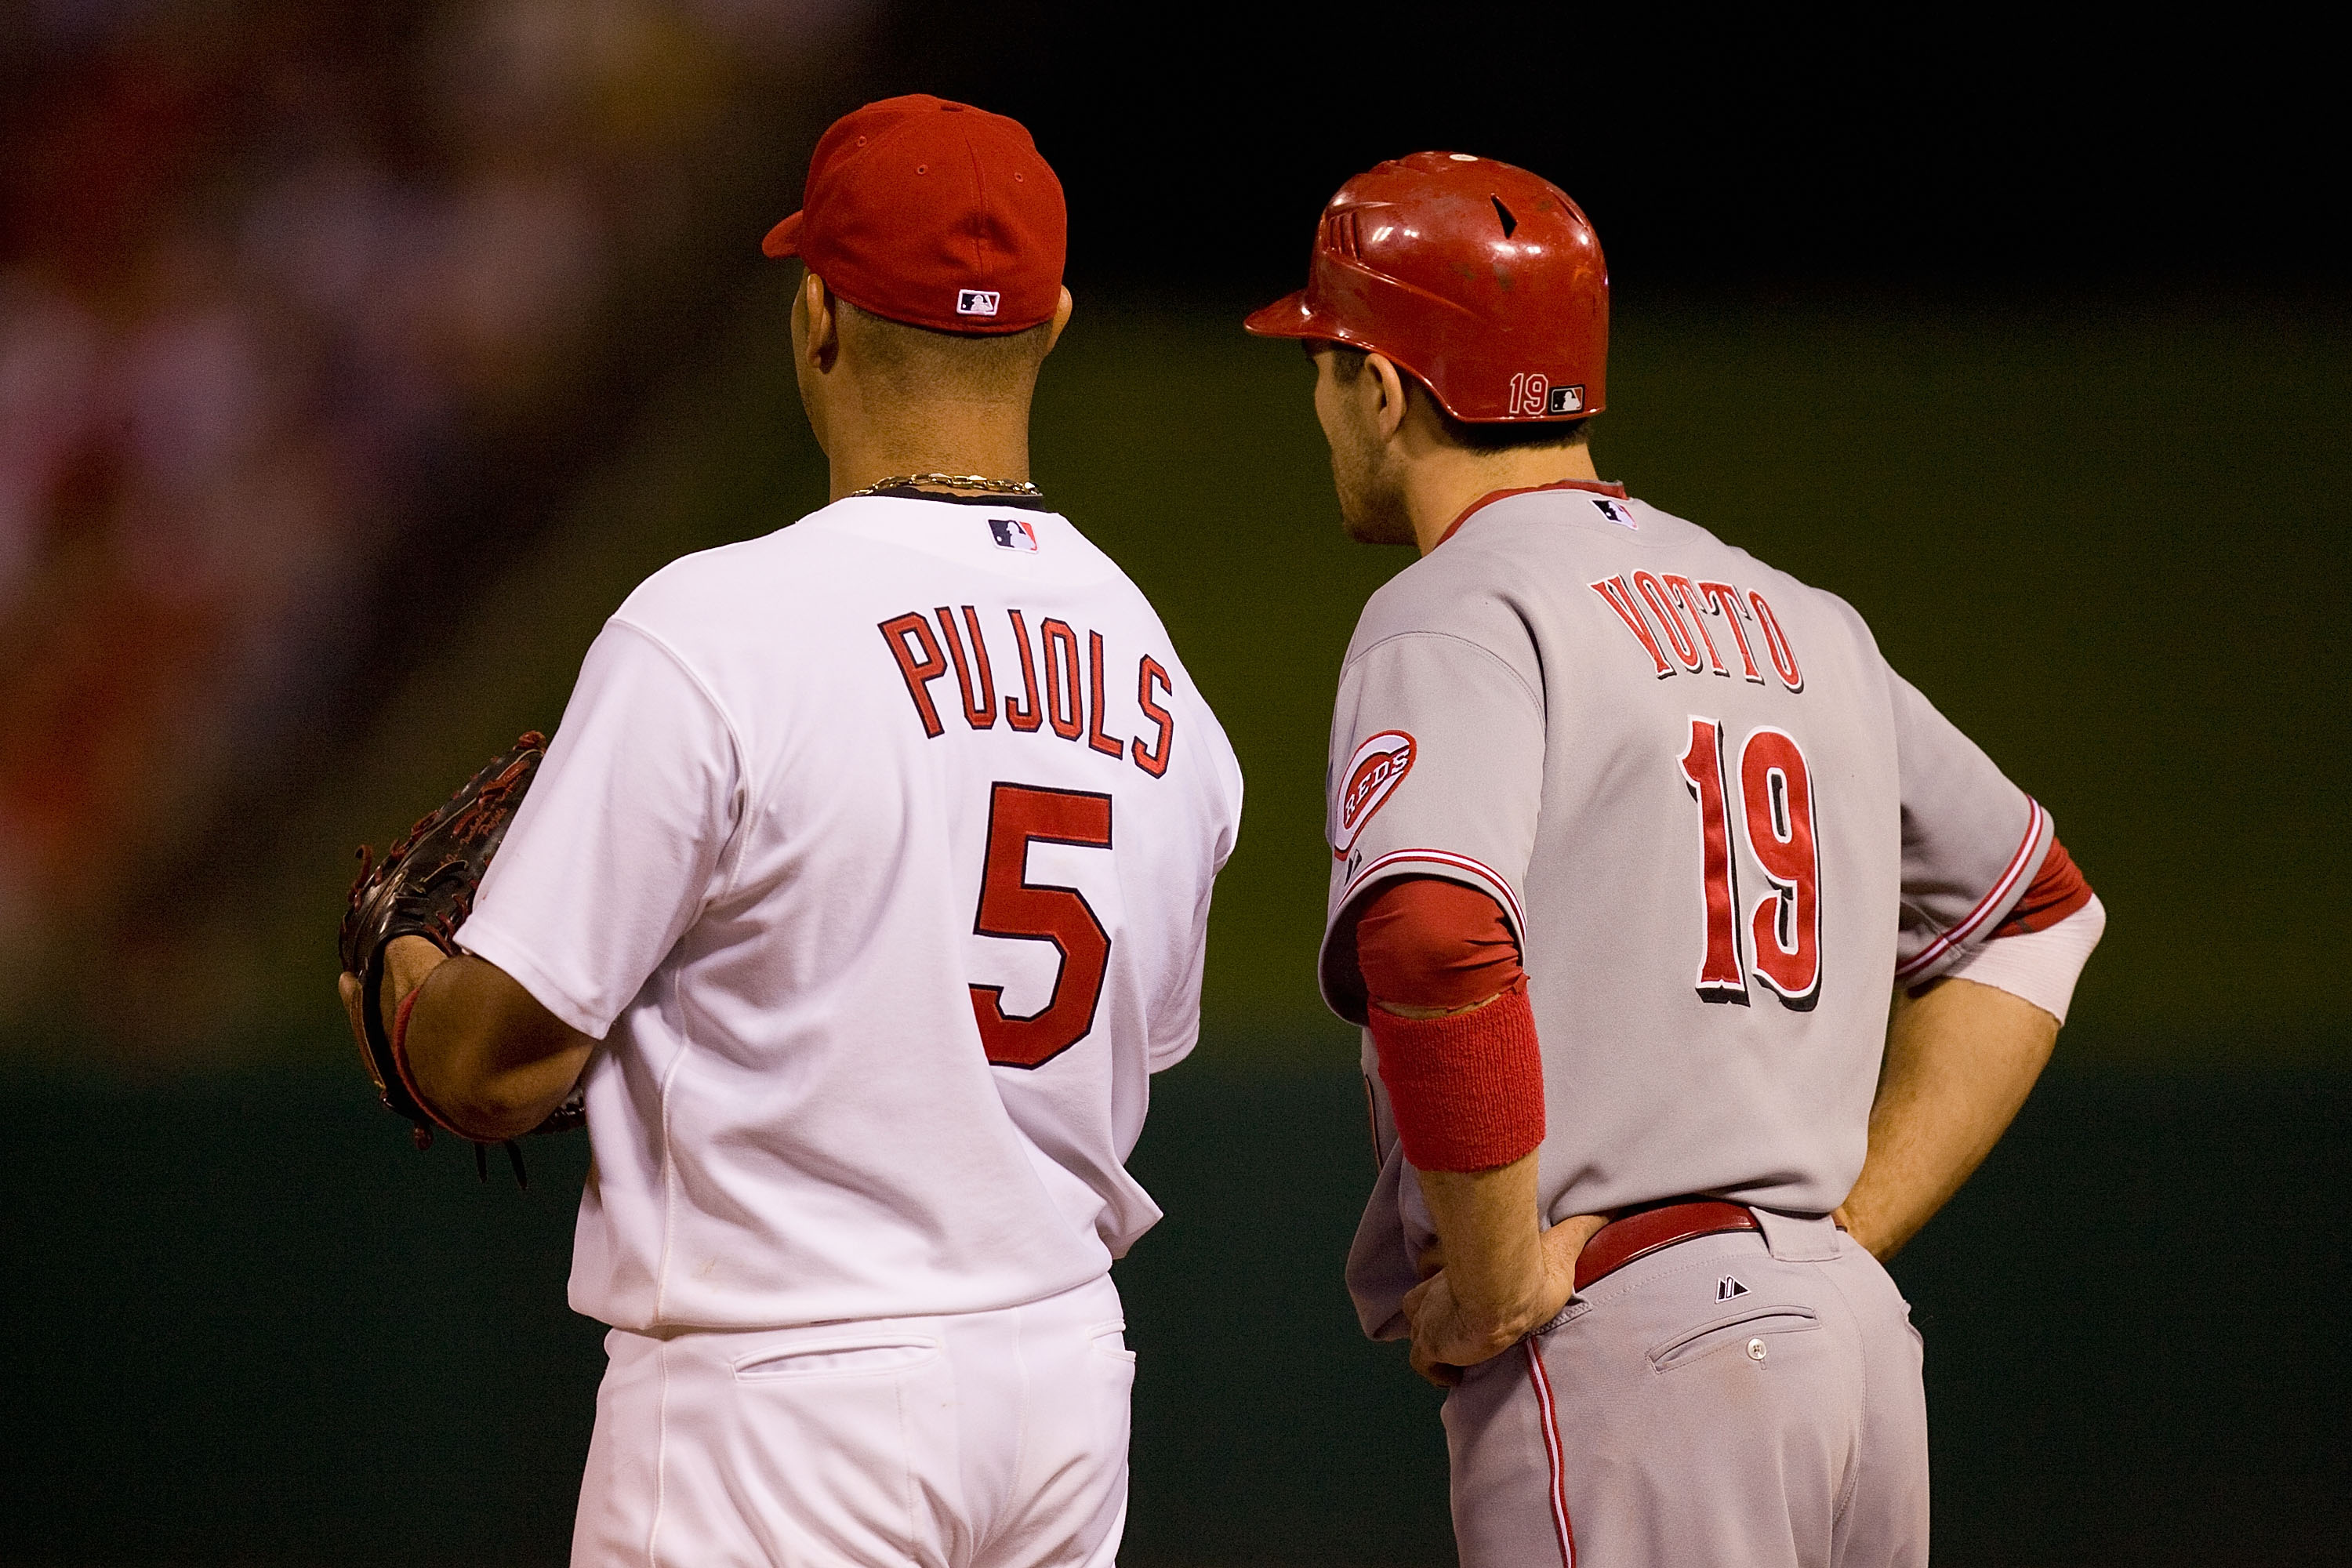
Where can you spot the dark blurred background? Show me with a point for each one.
(356, 360)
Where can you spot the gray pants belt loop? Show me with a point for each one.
(1798, 1238)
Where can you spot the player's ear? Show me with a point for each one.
(1391, 411)
(818, 326)
(1061, 319)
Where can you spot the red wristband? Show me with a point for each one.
(1467, 1089)
(399, 1060)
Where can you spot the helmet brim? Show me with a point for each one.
(1291, 317)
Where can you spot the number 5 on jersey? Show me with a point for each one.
(1784, 929)
(1011, 905)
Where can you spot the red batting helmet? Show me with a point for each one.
(1483, 280)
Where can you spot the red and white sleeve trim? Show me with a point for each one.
(2037, 825)
(1443, 861)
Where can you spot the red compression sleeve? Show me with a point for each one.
(1467, 1089)
(2058, 890)
(1428, 943)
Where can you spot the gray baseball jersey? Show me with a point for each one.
(1721, 826)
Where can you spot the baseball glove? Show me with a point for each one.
(424, 887)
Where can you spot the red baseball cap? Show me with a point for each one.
(935, 213)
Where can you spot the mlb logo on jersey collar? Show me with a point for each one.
(1012, 534)
(1616, 511)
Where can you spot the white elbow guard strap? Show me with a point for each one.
(2041, 966)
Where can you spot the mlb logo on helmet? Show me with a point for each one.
(1567, 400)
(1379, 765)
(1012, 534)
(975, 301)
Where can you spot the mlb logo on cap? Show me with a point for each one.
(1567, 400)
(1012, 534)
(916, 201)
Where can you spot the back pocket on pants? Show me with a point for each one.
(1752, 1331)
(837, 1359)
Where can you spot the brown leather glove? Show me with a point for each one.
(424, 887)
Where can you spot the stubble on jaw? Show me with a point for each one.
(1371, 512)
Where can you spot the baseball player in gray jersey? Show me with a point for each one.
(1699, 958)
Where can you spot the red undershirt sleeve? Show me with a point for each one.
(2057, 891)
(1465, 1088)
(1428, 943)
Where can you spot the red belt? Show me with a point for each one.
(1644, 1231)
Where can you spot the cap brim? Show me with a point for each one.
(785, 239)
(1289, 317)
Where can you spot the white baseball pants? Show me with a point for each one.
(971, 1441)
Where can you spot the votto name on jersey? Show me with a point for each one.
(1063, 692)
(1688, 615)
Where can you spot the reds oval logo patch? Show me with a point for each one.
(1379, 765)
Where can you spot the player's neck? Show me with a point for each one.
(991, 441)
(1441, 481)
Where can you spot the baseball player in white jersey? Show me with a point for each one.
(866, 878)
(1634, 838)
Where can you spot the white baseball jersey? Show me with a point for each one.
(878, 853)
(1721, 826)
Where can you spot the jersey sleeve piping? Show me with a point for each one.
(734, 854)
(2037, 821)
(1534, 697)
(1388, 864)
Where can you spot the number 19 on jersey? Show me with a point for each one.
(1783, 932)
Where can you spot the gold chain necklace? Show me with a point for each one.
(951, 481)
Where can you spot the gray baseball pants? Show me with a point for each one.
(1743, 1400)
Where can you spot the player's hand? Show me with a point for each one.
(406, 962)
(1564, 1244)
(354, 997)
(1436, 1319)
(1446, 1337)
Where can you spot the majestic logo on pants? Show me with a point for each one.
(1379, 765)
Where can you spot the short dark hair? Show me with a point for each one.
(1479, 437)
(989, 363)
